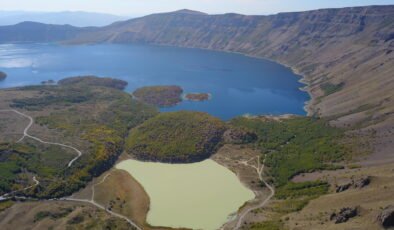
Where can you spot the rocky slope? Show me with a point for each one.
(345, 55)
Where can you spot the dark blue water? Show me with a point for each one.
(238, 84)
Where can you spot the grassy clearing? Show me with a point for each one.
(330, 88)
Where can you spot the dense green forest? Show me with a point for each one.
(176, 137)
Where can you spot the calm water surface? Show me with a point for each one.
(238, 84)
(199, 196)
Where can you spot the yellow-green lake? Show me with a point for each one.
(199, 196)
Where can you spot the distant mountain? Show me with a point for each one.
(39, 32)
(77, 18)
(345, 55)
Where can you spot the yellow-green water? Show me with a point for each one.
(199, 196)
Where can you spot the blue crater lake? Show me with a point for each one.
(238, 84)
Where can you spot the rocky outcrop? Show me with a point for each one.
(355, 183)
(362, 182)
(344, 215)
(386, 217)
(343, 187)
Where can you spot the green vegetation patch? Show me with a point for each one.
(303, 189)
(330, 88)
(8, 175)
(5, 205)
(296, 145)
(291, 205)
(160, 95)
(267, 225)
(176, 137)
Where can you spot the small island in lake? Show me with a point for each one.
(94, 81)
(3, 76)
(197, 96)
(162, 96)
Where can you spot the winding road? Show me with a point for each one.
(25, 134)
(259, 171)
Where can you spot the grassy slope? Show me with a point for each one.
(176, 137)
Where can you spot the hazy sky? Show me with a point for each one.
(143, 7)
